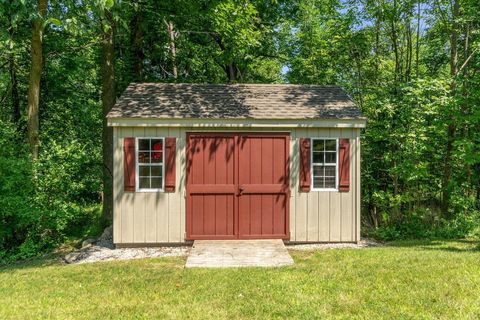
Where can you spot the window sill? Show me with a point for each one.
(325, 190)
(150, 190)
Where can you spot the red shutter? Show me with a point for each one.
(344, 160)
(305, 179)
(129, 164)
(170, 151)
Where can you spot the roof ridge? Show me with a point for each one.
(238, 84)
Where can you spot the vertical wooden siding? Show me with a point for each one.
(148, 217)
(156, 217)
(320, 216)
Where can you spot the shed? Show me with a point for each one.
(243, 161)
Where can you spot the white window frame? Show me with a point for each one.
(325, 164)
(137, 165)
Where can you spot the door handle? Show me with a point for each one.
(240, 190)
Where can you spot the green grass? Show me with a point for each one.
(405, 280)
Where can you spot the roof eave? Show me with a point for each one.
(238, 123)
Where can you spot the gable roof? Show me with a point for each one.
(237, 101)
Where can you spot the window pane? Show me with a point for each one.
(330, 171)
(330, 157)
(144, 183)
(318, 157)
(157, 151)
(330, 145)
(157, 157)
(156, 183)
(144, 157)
(318, 171)
(144, 144)
(318, 145)
(150, 151)
(144, 171)
(324, 152)
(318, 182)
(156, 171)
(157, 144)
(329, 182)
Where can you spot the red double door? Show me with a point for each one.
(237, 186)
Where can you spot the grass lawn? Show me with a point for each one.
(405, 280)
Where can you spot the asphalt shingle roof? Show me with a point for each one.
(237, 101)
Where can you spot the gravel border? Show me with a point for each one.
(364, 243)
(103, 249)
(97, 253)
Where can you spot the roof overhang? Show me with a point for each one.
(238, 123)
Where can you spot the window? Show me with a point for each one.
(150, 164)
(324, 164)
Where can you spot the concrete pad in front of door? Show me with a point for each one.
(238, 253)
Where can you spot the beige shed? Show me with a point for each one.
(244, 161)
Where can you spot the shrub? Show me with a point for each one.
(419, 225)
(43, 203)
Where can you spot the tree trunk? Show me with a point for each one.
(13, 76)
(395, 44)
(14, 90)
(231, 70)
(395, 51)
(108, 100)
(34, 82)
(137, 44)
(451, 129)
(417, 47)
(358, 63)
(375, 217)
(477, 175)
(377, 46)
(409, 53)
(173, 49)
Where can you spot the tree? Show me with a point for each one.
(35, 75)
(451, 127)
(107, 66)
(136, 28)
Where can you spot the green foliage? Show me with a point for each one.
(394, 58)
(56, 198)
(424, 224)
(47, 202)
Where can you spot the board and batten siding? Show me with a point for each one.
(158, 217)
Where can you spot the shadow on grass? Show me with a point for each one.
(457, 245)
(38, 262)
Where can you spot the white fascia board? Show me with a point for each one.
(237, 123)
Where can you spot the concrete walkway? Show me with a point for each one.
(238, 253)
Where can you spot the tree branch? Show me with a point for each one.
(3, 65)
(466, 62)
(68, 50)
(6, 94)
